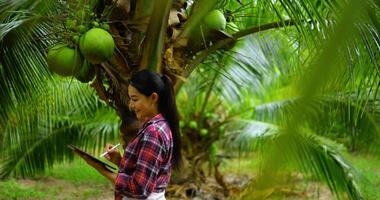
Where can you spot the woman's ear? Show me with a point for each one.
(154, 96)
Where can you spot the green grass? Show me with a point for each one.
(77, 172)
(241, 166)
(77, 180)
(10, 189)
(369, 166)
(71, 181)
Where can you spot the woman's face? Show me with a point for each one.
(145, 107)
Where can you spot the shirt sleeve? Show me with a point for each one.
(142, 182)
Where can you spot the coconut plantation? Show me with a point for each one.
(277, 99)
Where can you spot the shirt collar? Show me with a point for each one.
(156, 118)
(153, 120)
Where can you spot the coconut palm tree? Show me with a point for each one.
(254, 119)
(171, 37)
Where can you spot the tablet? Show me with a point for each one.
(81, 152)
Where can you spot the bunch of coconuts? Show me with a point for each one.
(86, 42)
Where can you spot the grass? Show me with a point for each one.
(69, 181)
(77, 180)
(13, 190)
(77, 173)
(241, 166)
(369, 166)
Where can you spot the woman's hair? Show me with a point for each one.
(148, 82)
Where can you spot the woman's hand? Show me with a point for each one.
(113, 155)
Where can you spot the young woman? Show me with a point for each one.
(146, 166)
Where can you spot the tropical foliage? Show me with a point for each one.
(38, 131)
(293, 78)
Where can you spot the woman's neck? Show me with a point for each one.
(146, 119)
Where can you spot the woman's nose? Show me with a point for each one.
(131, 106)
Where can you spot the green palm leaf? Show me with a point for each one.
(22, 58)
(39, 131)
(77, 116)
(316, 157)
(155, 35)
(312, 157)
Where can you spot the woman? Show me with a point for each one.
(146, 166)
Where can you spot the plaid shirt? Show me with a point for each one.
(146, 164)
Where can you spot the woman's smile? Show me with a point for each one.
(144, 107)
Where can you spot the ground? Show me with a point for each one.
(77, 181)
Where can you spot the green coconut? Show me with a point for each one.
(222, 129)
(82, 28)
(193, 124)
(71, 24)
(213, 149)
(97, 45)
(105, 26)
(75, 39)
(215, 20)
(63, 60)
(203, 132)
(181, 124)
(95, 24)
(86, 73)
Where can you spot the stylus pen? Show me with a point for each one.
(114, 147)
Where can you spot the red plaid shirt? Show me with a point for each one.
(146, 163)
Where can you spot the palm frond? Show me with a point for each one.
(333, 116)
(22, 59)
(155, 35)
(39, 131)
(312, 157)
(316, 157)
(243, 66)
(248, 135)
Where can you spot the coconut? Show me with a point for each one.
(105, 26)
(63, 60)
(82, 29)
(193, 124)
(215, 20)
(86, 73)
(71, 24)
(213, 149)
(203, 132)
(181, 124)
(97, 45)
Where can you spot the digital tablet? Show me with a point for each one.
(81, 152)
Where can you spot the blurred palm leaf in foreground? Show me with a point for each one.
(292, 80)
(39, 131)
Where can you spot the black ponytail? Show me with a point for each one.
(147, 82)
(168, 107)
